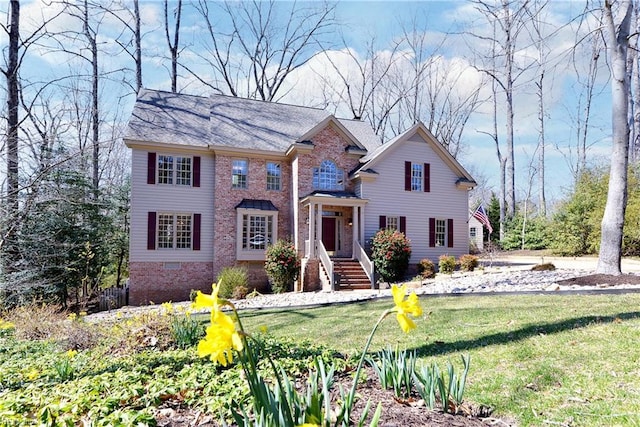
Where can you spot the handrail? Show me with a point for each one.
(367, 264)
(326, 262)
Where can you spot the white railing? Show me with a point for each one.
(307, 248)
(365, 262)
(327, 264)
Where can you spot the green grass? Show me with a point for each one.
(541, 360)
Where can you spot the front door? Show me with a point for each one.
(329, 234)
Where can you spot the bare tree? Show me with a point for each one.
(436, 92)
(509, 18)
(174, 45)
(542, 64)
(263, 45)
(363, 87)
(13, 104)
(613, 219)
(130, 39)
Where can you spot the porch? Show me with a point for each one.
(332, 229)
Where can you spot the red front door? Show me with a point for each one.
(329, 234)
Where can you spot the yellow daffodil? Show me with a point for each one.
(308, 425)
(167, 307)
(33, 374)
(71, 353)
(207, 301)
(221, 339)
(4, 324)
(405, 307)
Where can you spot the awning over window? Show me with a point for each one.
(262, 205)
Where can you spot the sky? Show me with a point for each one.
(447, 22)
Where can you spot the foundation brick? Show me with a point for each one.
(153, 282)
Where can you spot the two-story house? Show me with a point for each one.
(217, 179)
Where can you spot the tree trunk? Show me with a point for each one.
(11, 73)
(613, 218)
(138, 43)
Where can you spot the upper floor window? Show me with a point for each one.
(173, 170)
(183, 170)
(239, 172)
(165, 169)
(416, 177)
(273, 176)
(328, 176)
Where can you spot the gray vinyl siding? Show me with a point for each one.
(170, 199)
(388, 197)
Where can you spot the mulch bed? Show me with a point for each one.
(601, 280)
(395, 412)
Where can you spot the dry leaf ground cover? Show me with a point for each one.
(535, 359)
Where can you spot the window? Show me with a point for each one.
(328, 177)
(441, 232)
(273, 176)
(174, 231)
(239, 173)
(473, 232)
(393, 223)
(257, 228)
(165, 231)
(174, 169)
(257, 231)
(165, 169)
(183, 170)
(416, 177)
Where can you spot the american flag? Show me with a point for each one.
(481, 215)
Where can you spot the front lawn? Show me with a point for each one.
(540, 360)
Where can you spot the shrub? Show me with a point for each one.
(468, 262)
(426, 268)
(446, 264)
(547, 266)
(230, 279)
(282, 265)
(391, 251)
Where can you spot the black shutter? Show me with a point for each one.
(151, 231)
(407, 176)
(196, 171)
(151, 168)
(450, 233)
(382, 222)
(197, 221)
(427, 177)
(403, 224)
(432, 232)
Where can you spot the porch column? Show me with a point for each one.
(362, 225)
(312, 237)
(355, 229)
(319, 223)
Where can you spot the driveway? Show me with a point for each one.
(525, 262)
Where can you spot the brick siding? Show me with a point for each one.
(152, 282)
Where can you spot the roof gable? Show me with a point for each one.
(370, 160)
